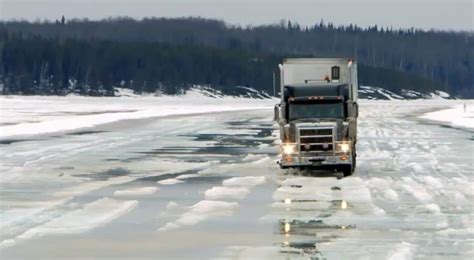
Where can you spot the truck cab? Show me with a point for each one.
(317, 114)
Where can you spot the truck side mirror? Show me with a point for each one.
(279, 113)
(283, 112)
(276, 113)
(352, 110)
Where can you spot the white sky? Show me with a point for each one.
(425, 14)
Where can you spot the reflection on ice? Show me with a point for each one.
(308, 227)
(343, 204)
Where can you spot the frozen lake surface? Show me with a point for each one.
(206, 186)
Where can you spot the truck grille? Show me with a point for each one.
(316, 141)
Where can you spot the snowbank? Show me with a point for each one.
(376, 93)
(32, 115)
(459, 115)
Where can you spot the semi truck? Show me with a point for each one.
(317, 114)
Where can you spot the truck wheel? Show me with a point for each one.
(347, 171)
(354, 160)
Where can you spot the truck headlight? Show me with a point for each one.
(344, 147)
(288, 148)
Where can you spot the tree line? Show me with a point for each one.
(168, 55)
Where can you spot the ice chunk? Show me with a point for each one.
(172, 205)
(402, 251)
(201, 211)
(170, 181)
(248, 181)
(391, 195)
(187, 176)
(91, 216)
(137, 191)
(226, 193)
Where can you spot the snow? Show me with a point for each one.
(411, 94)
(417, 190)
(253, 157)
(431, 208)
(33, 115)
(92, 215)
(187, 176)
(402, 251)
(457, 116)
(87, 187)
(219, 193)
(202, 211)
(142, 191)
(390, 194)
(172, 205)
(376, 93)
(170, 181)
(248, 181)
(410, 197)
(438, 94)
(369, 92)
(19, 212)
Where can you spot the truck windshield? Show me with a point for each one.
(325, 110)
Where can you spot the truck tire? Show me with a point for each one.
(354, 159)
(347, 171)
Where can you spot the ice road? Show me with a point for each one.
(207, 186)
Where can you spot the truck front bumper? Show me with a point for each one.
(295, 161)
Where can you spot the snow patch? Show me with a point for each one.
(376, 93)
(201, 211)
(431, 208)
(136, 192)
(91, 216)
(248, 181)
(172, 205)
(402, 251)
(253, 157)
(438, 94)
(32, 115)
(459, 115)
(187, 176)
(170, 181)
(391, 195)
(216, 193)
(416, 190)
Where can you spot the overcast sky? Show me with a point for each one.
(425, 14)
